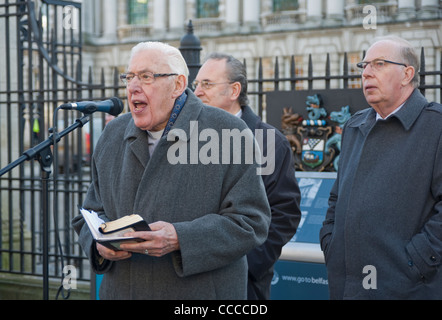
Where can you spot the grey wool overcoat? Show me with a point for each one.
(220, 211)
(382, 236)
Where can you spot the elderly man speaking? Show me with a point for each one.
(204, 218)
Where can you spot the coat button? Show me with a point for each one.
(410, 263)
(433, 258)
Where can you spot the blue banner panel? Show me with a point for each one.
(299, 281)
(315, 191)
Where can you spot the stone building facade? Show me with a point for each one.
(266, 29)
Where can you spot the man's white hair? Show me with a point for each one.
(175, 59)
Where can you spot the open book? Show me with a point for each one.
(111, 233)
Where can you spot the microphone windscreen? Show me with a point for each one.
(117, 106)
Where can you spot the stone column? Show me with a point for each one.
(159, 18)
(86, 19)
(177, 16)
(406, 10)
(96, 22)
(110, 19)
(251, 13)
(429, 9)
(335, 12)
(314, 12)
(232, 15)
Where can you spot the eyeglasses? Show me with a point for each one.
(145, 77)
(206, 85)
(377, 64)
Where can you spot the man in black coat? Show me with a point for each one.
(222, 82)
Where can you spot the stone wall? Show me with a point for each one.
(21, 287)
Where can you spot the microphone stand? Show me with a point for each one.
(43, 154)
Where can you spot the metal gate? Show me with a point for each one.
(41, 68)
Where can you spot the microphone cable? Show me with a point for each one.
(61, 290)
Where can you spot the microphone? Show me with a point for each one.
(113, 106)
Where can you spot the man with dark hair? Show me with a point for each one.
(222, 83)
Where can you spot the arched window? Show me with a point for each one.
(370, 1)
(137, 12)
(285, 5)
(207, 9)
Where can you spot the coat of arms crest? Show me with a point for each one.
(315, 142)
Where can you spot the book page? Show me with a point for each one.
(94, 222)
(111, 226)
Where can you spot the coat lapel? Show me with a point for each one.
(364, 120)
(190, 112)
(250, 118)
(138, 143)
(155, 172)
(411, 109)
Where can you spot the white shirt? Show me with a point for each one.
(379, 117)
(154, 138)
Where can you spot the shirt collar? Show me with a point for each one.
(407, 114)
(155, 135)
(379, 117)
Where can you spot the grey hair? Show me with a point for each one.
(236, 72)
(407, 53)
(175, 59)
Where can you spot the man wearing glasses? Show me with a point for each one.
(222, 82)
(203, 218)
(382, 235)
